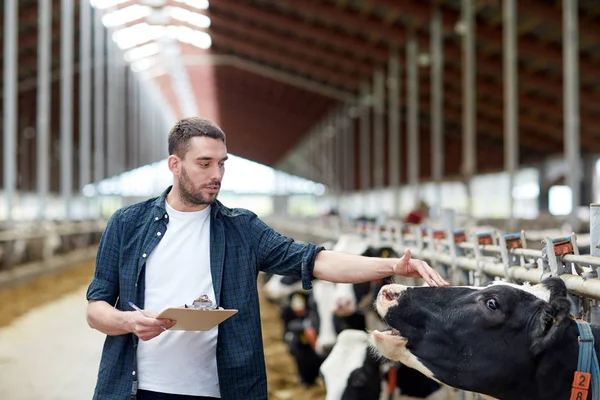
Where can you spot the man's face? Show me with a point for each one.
(202, 170)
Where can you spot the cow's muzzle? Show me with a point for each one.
(387, 297)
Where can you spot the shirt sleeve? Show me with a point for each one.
(105, 283)
(281, 255)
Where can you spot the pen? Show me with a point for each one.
(143, 313)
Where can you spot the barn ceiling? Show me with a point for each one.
(275, 68)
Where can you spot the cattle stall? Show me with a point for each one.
(28, 250)
(474, 256)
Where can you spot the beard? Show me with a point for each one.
(194, 196)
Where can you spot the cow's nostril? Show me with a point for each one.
(345, 303)
(389, 295)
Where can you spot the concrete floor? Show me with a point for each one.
(50, 353)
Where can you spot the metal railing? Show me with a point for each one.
(470, 257)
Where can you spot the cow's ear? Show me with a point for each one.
(556, 286)
(551, 324)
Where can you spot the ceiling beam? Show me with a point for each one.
(267, 71)
(245, 30)
(491, 126)
(492, 35)
(339, 79)
(353, 46)
(487, 66)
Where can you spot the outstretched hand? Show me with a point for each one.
(414, 268)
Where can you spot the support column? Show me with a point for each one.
(543, 199)
(9, 112)
(85, 104)
(587, 183)
(572, 151)
(340, 174)
(378, 128)
(412, 85)
(511, 105)
(111, 108)
(394, 124)
(350, 159)
(99, 87)
(43, 105)
(365, 137)
(469, 116)
(66, 104)
(437, 106)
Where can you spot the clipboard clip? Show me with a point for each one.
(203, 302)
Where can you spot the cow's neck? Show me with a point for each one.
(554, 371)
(557, 366)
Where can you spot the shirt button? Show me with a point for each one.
(166, 215)
(132, 372)
(158, 234)
(156, 219)
(144, 255)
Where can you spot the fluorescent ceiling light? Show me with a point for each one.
(192, 18)
(144, 51)
(137, 34)
(191, 36)
(143, 64)
(199, 4)
(104, 4)
(125, 15)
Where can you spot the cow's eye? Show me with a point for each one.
(492, 304)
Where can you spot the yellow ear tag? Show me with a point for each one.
(303, 338)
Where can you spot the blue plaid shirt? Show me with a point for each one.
(241, 245)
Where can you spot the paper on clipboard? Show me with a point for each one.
(195, 319)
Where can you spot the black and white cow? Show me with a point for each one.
(504, 340)
(353, 372)
(278, 287)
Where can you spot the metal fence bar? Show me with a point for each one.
(491, 260)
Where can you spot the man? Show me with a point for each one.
(169, 250)
(417, 215)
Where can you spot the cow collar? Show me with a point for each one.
(587, 365)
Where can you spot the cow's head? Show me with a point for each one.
(492, 340)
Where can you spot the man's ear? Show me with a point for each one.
(174, 164)
(551, 324)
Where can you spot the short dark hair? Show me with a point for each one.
(187, 128)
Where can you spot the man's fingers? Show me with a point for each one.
(431, 276)
(406, 256)
(425, 273)
(167, 323)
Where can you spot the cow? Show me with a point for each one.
(278, 287)
(353, 372)
(504, 340)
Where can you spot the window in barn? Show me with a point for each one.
(560, 200)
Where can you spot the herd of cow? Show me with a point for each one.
(380, 339)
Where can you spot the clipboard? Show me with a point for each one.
(195, 319)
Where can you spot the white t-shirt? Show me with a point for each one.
(178, 272)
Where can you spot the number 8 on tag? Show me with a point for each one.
(578, 394)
